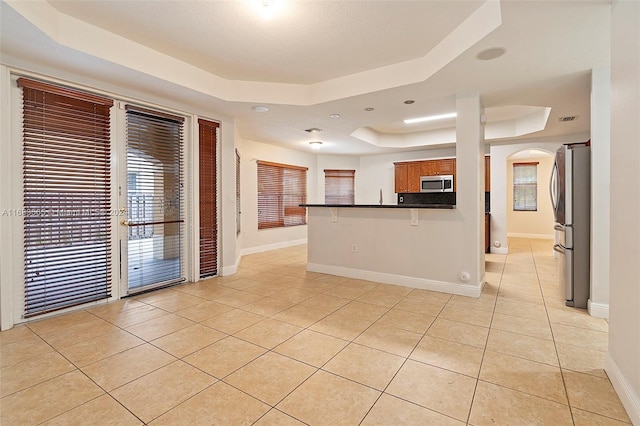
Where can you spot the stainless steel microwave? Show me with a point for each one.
(441, 183)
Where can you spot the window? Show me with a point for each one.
(338, 186)
(67, 197)
(208, 199)
(281, 190)
(525, 186)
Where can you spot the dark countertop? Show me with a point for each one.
(385, 206)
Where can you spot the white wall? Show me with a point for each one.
(623, 363)
(600, 191)
(253, 239)
(531, 224)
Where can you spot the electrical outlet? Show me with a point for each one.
(354, 248)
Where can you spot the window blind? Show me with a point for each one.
(238, 211)
(281, 190)
(525, 186)
(208, 198)
(67, 197)
(339, 186)
(154, 198)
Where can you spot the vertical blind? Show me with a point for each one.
(208, 197)
(67, 197)
(238, 211)
(339, 186)
(525, 186)
(281, 190)
(154, 197)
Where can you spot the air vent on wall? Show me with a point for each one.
(567, 118)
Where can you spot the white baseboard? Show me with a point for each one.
(274, 246)
(500, 250)
(623, 388)
(532, 236)
(232, 269)
(470, 290)
(598, 310)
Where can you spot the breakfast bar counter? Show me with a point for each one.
(413, 245)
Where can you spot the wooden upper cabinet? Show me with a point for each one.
(446, 166)
(407, 174)
(487, 173)
(414, 177)
(401, 177)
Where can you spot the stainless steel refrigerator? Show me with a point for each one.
(570, 188)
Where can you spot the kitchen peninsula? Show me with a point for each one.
(410, 245)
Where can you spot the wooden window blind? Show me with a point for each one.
(67, 197)
(339, 186)
(525, 186)
(155, 202)
(238, 205)
(281, 190)
(208, 198)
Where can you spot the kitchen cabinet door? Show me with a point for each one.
(413, 176)
(401, 177)
(428, 168)
(446, 166)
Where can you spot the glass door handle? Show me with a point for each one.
(124, 223)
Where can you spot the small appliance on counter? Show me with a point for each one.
(570, 188)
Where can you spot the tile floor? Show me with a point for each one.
(276, 345)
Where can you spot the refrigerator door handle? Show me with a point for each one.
(553, 186)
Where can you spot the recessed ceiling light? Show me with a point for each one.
(409, 101)
(313, 130)
(369, 109)
(267, 8)
(260, 108)
(492, 53)
(315, 144)
(334, 116)
(429, 118)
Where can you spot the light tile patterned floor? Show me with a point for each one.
(275, 344)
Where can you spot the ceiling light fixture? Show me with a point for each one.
(409, 101)
(260, 108)
(315, 144)
(267, 8)
(334, 116)
(369, 109)
(313, 130)
(429, 118)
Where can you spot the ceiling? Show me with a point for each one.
(312, 59)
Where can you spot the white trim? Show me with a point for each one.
(473, 290)
(623, 388)
(274, 246)
(500, 250)
(230, 270)
(7, 259)
(530, 236)
(598, 310)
